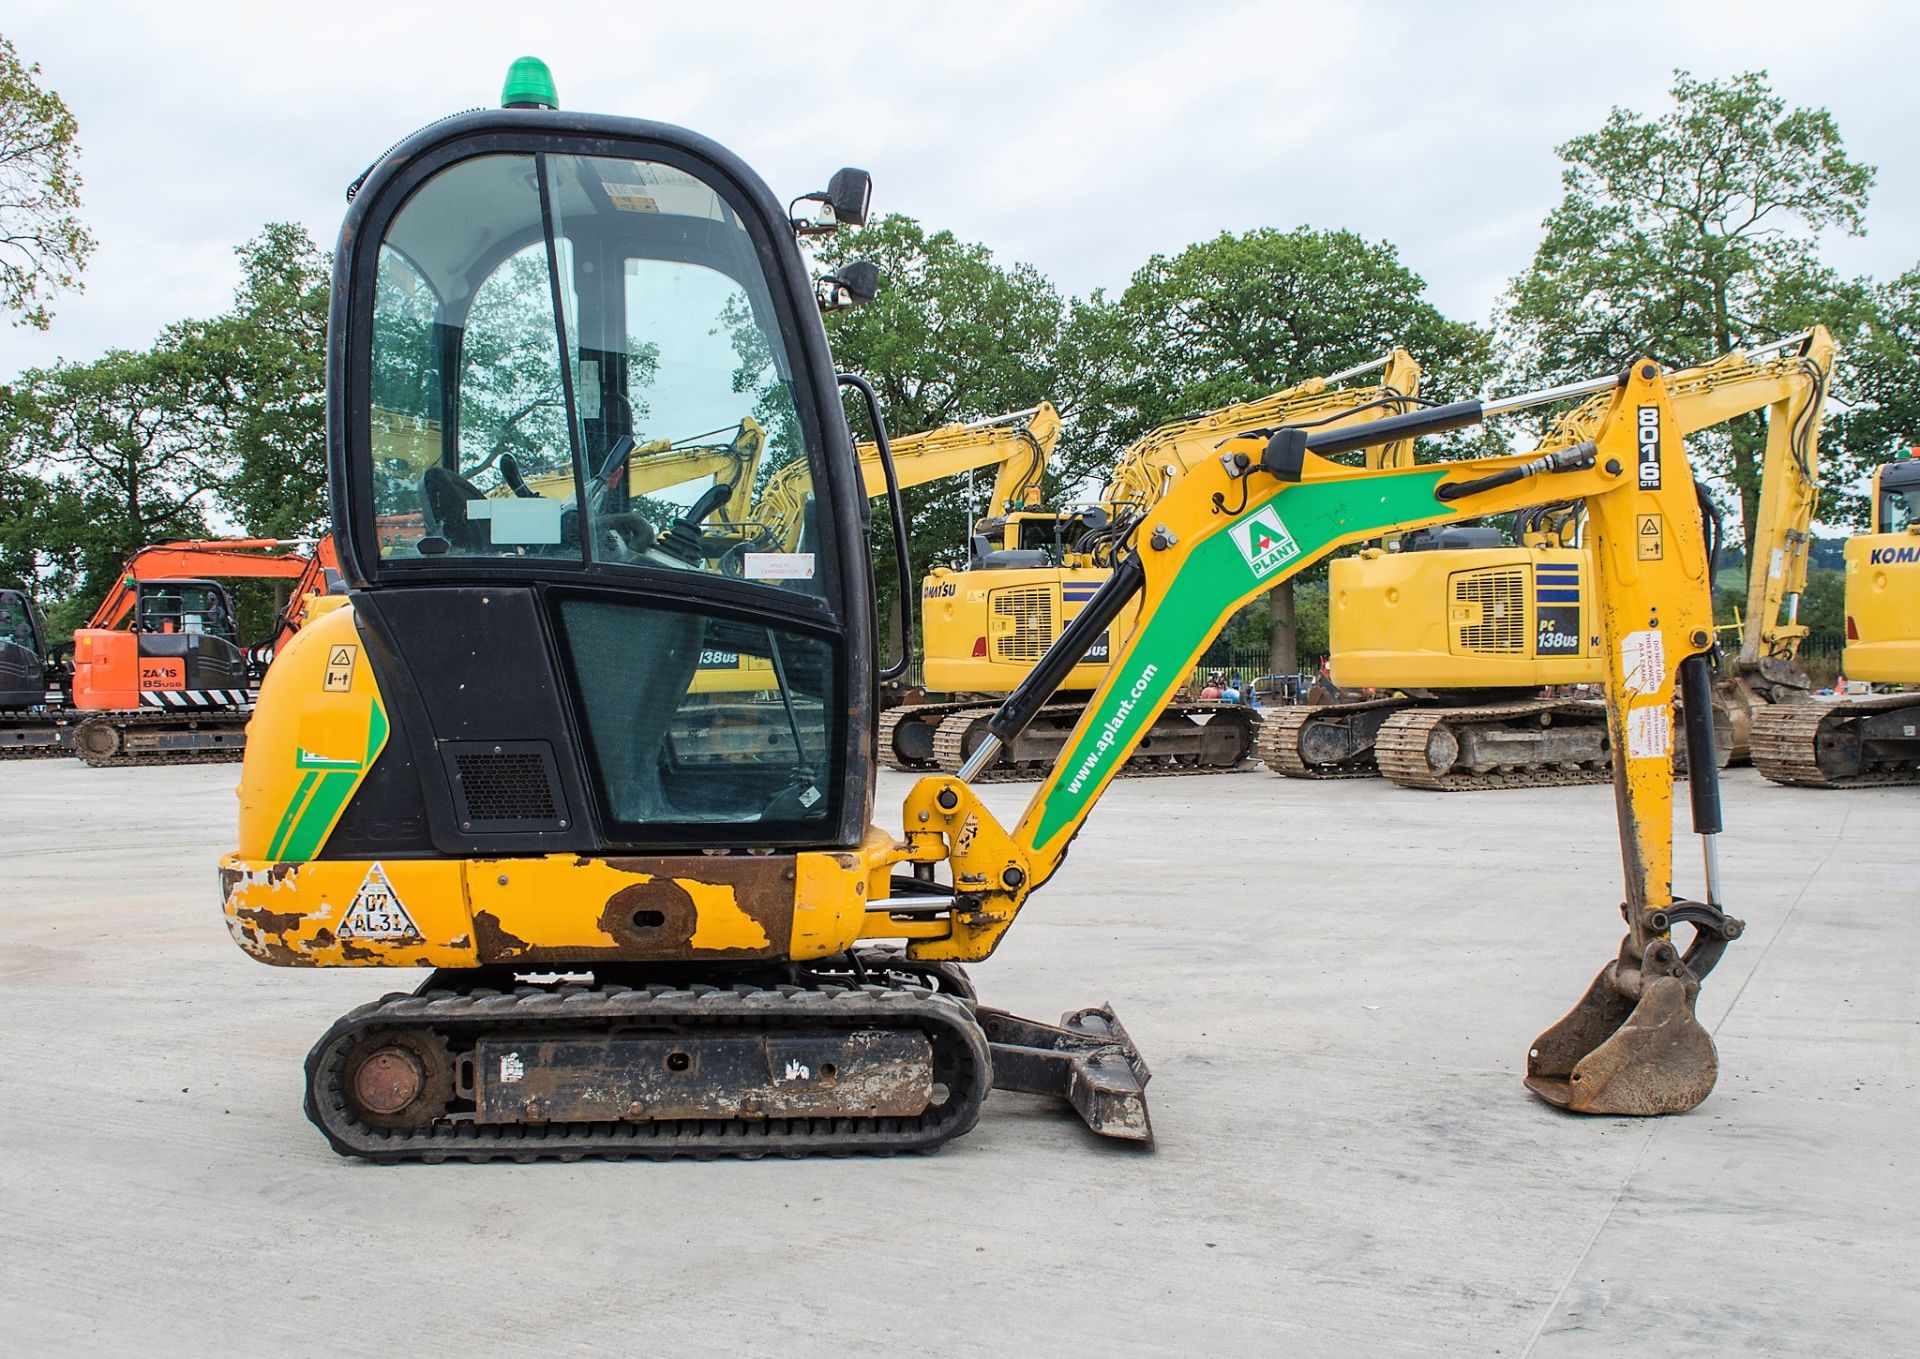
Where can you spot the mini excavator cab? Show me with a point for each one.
(23, 652)
(202, 607)
(532, 301)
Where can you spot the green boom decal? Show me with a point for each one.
(1256, 551)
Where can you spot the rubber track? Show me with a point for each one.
(467, 1017)
(1402, 748)
(217, 717)
(1785, 743)
(950, 747)
(53, 750)
(891, 719)
(1279, 742)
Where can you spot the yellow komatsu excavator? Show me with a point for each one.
(1031, 571)
(469, 761)
(1862, 742)
(1458, 633)
(775, 528)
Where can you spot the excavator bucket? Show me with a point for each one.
(1611, 1055)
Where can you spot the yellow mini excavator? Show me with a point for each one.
(1030, 571)
(470, 761)
(1863, 742)
(1458, 632)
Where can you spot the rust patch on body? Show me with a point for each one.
(658, 920)
(493, 943)
(280, 955)
(270, 922)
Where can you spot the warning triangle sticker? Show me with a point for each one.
(342, 655)
(376, 912)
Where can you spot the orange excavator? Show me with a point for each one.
(159, 674)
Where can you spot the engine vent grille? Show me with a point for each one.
(1501, 593)
(1031, 609)
(504, 786)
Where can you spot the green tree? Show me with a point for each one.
(128, 451)
(1238, 317)
(953, 335)
(1687, 236)
(1881, 415)
(265, 361)
(43, 246)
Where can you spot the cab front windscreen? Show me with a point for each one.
(578, 358)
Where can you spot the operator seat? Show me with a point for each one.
(444, 497)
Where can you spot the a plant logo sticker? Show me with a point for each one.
(1264, 541)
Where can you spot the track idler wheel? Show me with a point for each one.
(1617, 1054)
(97, 740)
(397, 1078)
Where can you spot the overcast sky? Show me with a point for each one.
(1079, 137)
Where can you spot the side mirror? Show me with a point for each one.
(850, 191)
(857, 284)
(843, 202)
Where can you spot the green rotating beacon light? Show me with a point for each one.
(529, 86)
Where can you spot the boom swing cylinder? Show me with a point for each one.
(491, 759)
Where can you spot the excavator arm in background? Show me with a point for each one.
(1017, 445)
(1149, 466)
(663, 464)
(289, 559)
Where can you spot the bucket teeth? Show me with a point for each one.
(1613, 1055)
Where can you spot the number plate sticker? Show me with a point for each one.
(376, 912)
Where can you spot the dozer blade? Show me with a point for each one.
(1610, 1055)
(1086, 1059)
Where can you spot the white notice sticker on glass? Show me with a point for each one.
(779, 566)
(1649, 732)
(520, 520)
(1643, 660)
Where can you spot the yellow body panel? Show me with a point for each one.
(548, 910)
(1883, 608)
(1462, 619)
(1012, 617)
(317, 728)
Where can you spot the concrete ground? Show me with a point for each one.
(1336, 984)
